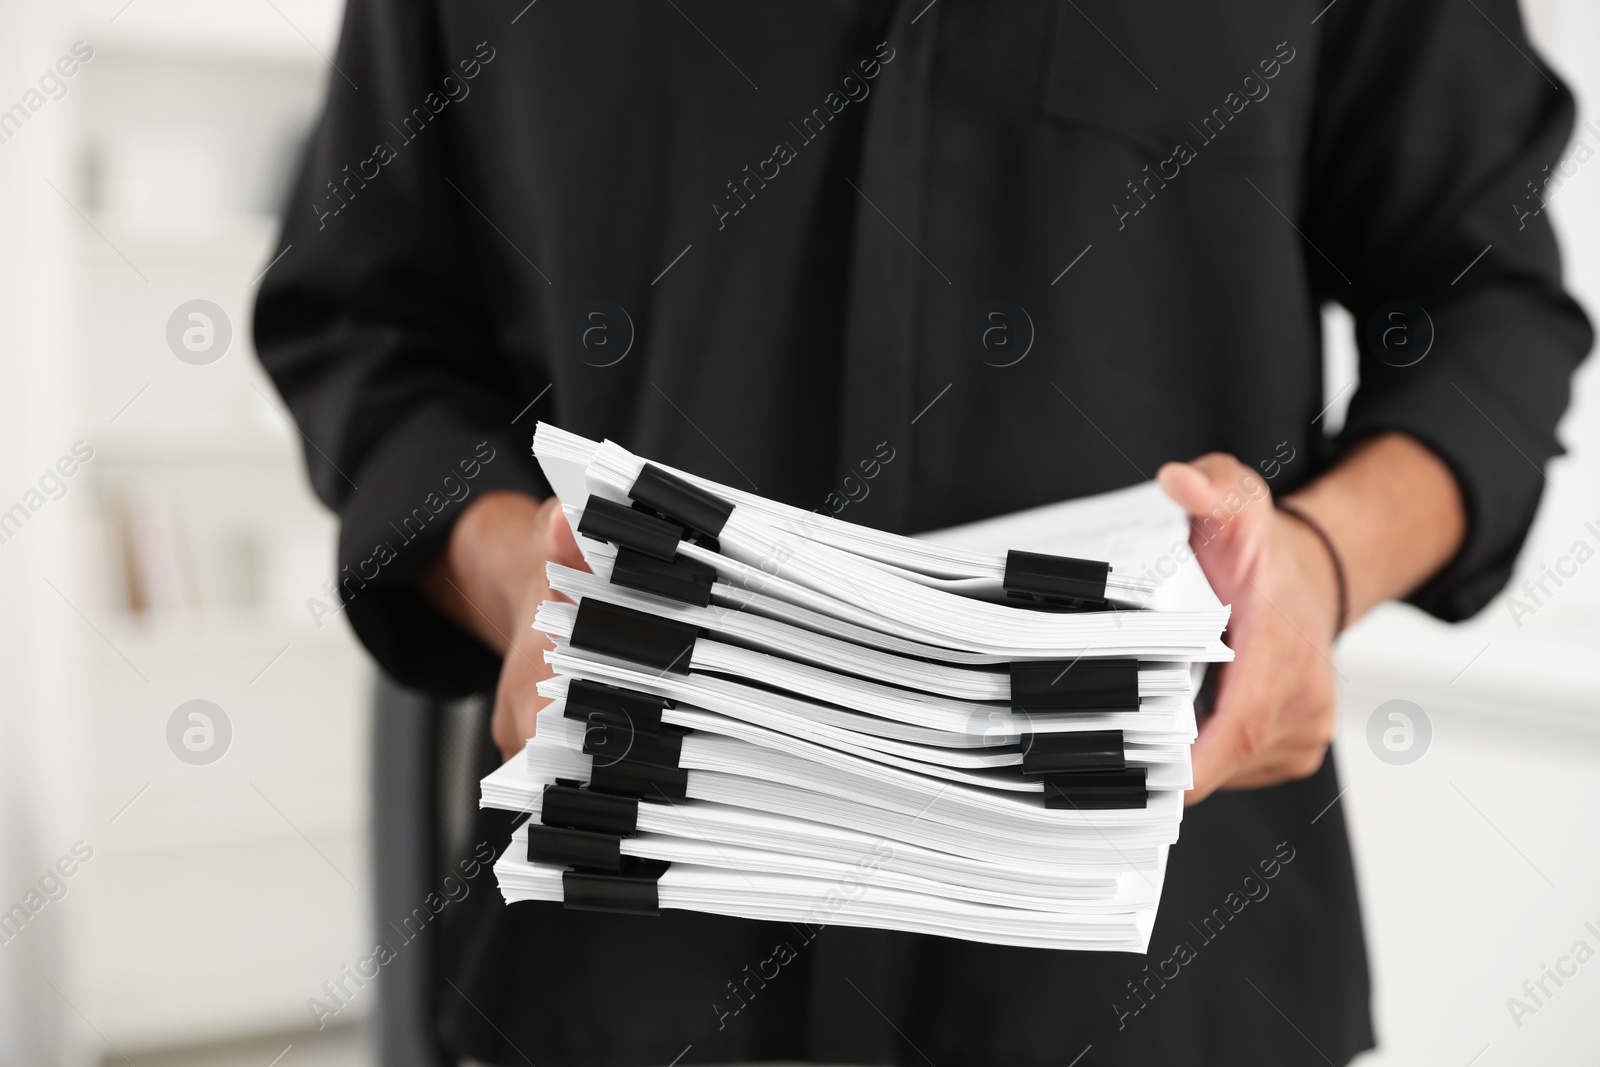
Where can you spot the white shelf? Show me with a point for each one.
(199, 444)
(1546, 675)
(222, 239)
(300, 32)
(221, 631)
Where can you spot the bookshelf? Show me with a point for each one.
(219, 896)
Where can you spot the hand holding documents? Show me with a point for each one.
(769, 713)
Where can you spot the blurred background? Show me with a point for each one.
(189, 875)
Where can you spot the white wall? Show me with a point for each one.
(1477, 863)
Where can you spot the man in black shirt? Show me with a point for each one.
(1039, 249)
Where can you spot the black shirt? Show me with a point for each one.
(1035, 249)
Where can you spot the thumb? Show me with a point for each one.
(1226, 501)
(1187, 486)
(560, 546)
(1212, 480)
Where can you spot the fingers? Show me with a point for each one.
(1235, 733)
(557, 542)
(1228, 503)
(517, 700)
(1267, 729)
(1187, 485)
(1212, 480)
(1253, 697)
(504, 728)
(1302, 763)
(1268, 725)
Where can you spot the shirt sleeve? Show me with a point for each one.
(1435, 129)
(373, 326)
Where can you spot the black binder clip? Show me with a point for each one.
(1075, 685)
(613, 630)
(632, 891)
(625, 527)
(583, 830)
(1097, 790)
(700, 513)
(647, 547)
(685, 580)
(611, 743)
(568, 806)
(1090, 750)
(598, 703)
(566, 847)
(1055, 581)
(633, 778)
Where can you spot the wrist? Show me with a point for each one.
(1394, 513)
(1318, 562)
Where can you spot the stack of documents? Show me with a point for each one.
(770, 713)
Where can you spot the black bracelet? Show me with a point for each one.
(1333, 554)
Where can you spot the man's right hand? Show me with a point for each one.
(490, 579)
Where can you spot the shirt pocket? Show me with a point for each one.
(1156, 74)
